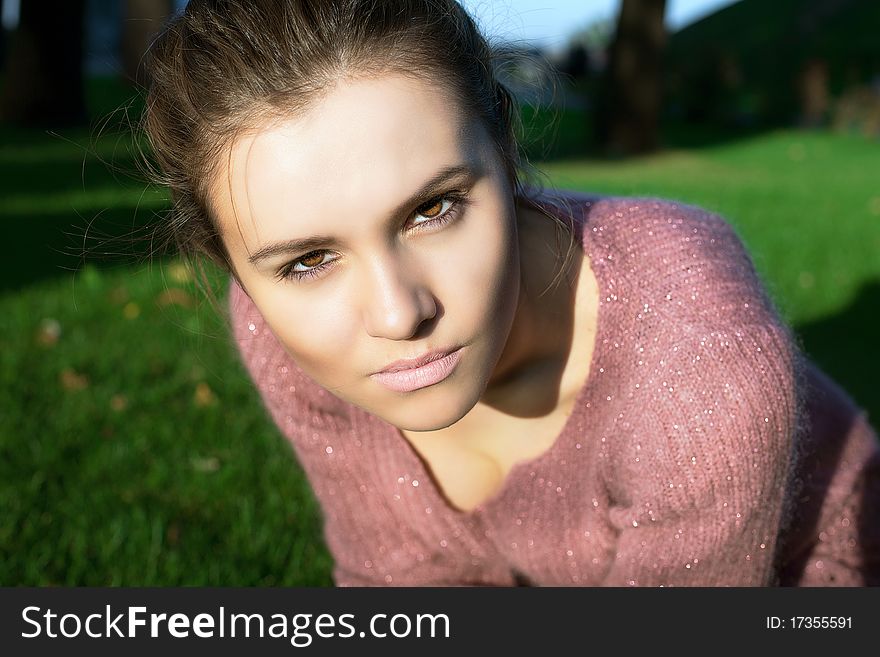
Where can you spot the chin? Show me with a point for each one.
(431, 412)
(426, 424)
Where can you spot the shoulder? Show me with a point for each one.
(648, 228)
(686, 262)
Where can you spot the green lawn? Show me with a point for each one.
(133, 449)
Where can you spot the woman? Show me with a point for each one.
(487, 383)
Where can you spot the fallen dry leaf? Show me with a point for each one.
(72, 380)
(204, 395)
(206, 464)
(176, 296)
(119, 294)
(119, 403)
(49, 332)
(131, 310)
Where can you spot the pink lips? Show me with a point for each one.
(409, 375)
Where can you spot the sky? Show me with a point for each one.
(549, 22)
(546, 22)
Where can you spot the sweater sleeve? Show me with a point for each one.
(835, 534)
(701, 495)
(701, 490)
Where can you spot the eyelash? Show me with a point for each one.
(458, 203)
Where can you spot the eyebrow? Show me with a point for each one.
(463, 173)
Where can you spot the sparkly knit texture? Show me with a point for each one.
(704, 449)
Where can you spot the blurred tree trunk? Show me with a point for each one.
(43, 83)
(814, 95)
(629, 118)
(143, 20)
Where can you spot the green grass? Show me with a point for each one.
(134, 450)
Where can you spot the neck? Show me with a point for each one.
(526, 379)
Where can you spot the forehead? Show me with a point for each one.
(366, 144)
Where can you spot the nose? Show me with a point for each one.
(397, 301)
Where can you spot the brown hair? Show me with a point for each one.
(223, 65)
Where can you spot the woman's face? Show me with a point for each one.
(378, 226)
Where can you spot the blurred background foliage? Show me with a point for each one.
(133, 448)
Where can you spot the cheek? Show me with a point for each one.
(313, 331)
(486, 263)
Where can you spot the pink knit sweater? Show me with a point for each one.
(703, 450)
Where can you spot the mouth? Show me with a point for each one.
(416, 373)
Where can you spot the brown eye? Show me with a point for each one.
(311, 260)
(432, 209)
(312, 264)
(437, 212)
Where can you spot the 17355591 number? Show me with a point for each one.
(809, 622)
